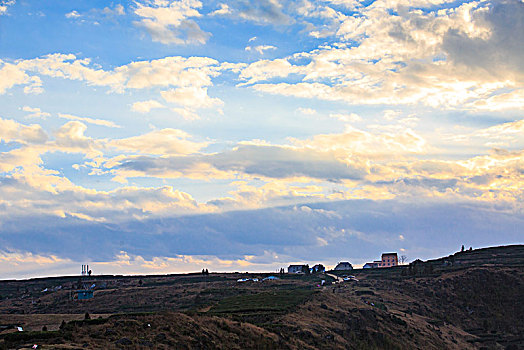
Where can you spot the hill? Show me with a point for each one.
(468, 300)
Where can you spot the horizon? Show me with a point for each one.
(161, 136)
(327, 268)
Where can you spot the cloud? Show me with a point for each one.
(11, 75)
(354, 141)
(168, 21)
(71, 136)
(118, 10)
(193, 97)
(222, 10)
(159, 142)
(266, 161)
(387, 54)
(325, 232)
(508, 134)
(4, 5)
(169, 71)
(499, 53)
(35, 112)
(187, 114)
(93, 121)
(260, 48)
(264, 11)
(306, 111)
(73, 14)
(146, 106)
(11, 130)
(351, 117)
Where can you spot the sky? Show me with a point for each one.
(167, 136)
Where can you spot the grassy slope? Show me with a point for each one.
(475, 303)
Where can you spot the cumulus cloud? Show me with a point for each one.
(222, 10)
(168, 22)
(190, 78)
(11, 75)
(390, 54)
(71, 135)
(498, 53)
(146, 106)
(11, 130)
(193, 97)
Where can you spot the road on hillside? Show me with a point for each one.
(337, 280)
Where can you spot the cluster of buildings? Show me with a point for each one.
(387, 260)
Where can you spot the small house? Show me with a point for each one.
(297, 268)
(344, 266)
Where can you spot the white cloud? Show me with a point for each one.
(222, 10)
(117, 10)
(4, 5)
(260, 48)
(351, 117)
(146, 106)
(93, 121)
(306, 111)
(11, 130)
(71, 135)
(168, 22)
(187, 114)
(160, 142)
(409, 57)
(73, 14)
(11, 75)
(189, 72)
(193, 97)
(35, 112)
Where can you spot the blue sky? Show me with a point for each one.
(169, 136)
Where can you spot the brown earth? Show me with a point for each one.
(469, 300)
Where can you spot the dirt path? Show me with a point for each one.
(337, 279)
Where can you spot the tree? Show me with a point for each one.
(403, 259)
(306, 267)
(318, 268)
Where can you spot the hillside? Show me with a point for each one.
(469, 300)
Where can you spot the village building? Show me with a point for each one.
(344, 265)
(297, 268)
(388, 260)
